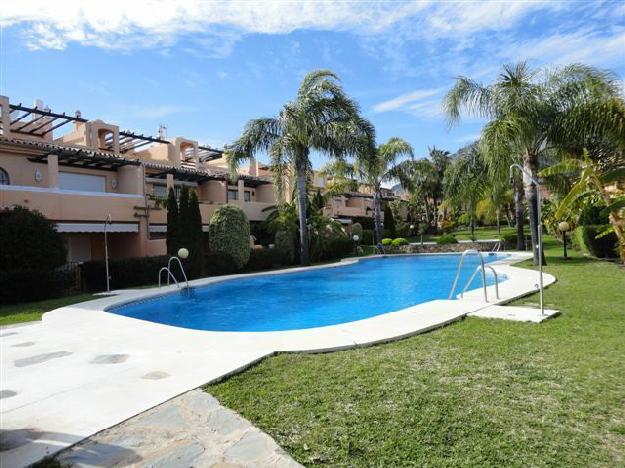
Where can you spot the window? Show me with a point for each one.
(159, 191)
(233, 194)
(82, 182)
(247, 196)
(4, 177)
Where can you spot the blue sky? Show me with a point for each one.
(204, 68)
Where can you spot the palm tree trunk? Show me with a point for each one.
(377, 216)
(435, 214)
(518, 215)
(530, 164)
(302, 202)
(427, 210)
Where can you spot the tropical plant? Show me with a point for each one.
(592, 180)
(389, 221)
(229, 233)
(285, 243)
(530, 113)
(321, 118)
(374, 166)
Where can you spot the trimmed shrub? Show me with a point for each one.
(357, 230)
(446, 239)
(367, 237)
(125, 273)
(464, 219)
(229, 232)
(219, 263)
(265, 259)
(285, 243)
(585, 239)
(399, 241)
(387, 241)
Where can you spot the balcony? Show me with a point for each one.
(70, 205)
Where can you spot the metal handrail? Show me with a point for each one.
(184, 275)
(496, 247)
(169, 275)
(466, 286)
(468, 251)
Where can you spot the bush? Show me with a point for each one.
(29, 241)
(464, 219)
(357, 230)
(336, 248)
(399, 241)
(585, 239)
(446, 239)
(387, 241)
(264, 259)
(285, 243)
(219, 263)
(367, 237)
(447, 226)
(31, 253)
(229, 232)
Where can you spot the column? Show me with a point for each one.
(53, 171)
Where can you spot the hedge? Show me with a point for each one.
(399, 241)
(124, 273)
(387, 241)
(219, 263)
(27, 285)
(265, 259)
(285, 242)
(229, 232)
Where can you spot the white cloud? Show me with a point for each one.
(586, 46)
(403, 100)
(141, 23)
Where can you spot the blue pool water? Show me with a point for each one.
(312, 298)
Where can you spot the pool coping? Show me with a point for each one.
(190, 357)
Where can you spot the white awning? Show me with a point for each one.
(97, 227)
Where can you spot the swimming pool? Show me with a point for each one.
(312, 298)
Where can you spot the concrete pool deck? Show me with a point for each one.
(82, 370)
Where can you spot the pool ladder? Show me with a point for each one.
(481, 267)
(170, 275)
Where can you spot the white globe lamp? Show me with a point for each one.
(183, 253)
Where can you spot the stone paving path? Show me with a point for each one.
(190, 430)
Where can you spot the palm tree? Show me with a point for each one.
(374, 166)
(465, 184)
(321, 118)
(525, 109)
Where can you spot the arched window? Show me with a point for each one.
(4, 177)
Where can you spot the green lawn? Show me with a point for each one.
(25, 312)
(476, 393)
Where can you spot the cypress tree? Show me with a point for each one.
(196, 248)
(184, 218)
(389, 222)
(172, 223)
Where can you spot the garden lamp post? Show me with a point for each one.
(412, 229)
(107, 222)
(356, 239)
(540, 229)
(564, 227)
